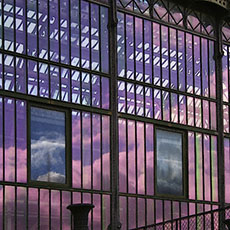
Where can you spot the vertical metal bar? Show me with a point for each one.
(212, 221)
(114, 117)
(91, 148)
(60, 192)
(220, 129)
(101, 155)
(100, 38)
(90, 40)
(81, 147)
(39, 191)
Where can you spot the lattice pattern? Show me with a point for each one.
(139, 6)
(170, 12)
(226, 32)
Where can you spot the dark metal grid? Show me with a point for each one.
(38, 29)
(203, 220)
(153, 8)
(49, 193)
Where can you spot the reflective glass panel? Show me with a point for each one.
(169, 163)
(48, 145)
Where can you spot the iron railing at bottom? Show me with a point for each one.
(202, 221)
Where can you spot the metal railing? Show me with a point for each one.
(202, 221)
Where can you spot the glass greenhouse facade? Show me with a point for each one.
(123, 104)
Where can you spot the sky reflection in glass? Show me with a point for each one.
(169, 163)
(47, 145)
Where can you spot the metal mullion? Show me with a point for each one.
(39, 190)
(127, 211)
(60, 83)
(27, 208)
(185, 62)
(210, 156)
(91, 94)
(136, 164)
(145, 157)
(127, 158)
(151, 52)
(160, 35)
(100, 35)
(228, 49)
(208, 56)
(195, 160)
(177, 62)
(201, 67)
(143, 49)
(134, 50)
(91, 147)
(169, 58)
(59, 47)
(80, 73)
(80, 55)
(180, 216)
(2, 31)
(15, 205)
(170, 107)
(146, 211)
(126, 101)
(60, 192)
(50, 209)
(162, 108)
(202, 113)
(14, 45)
(154, 201)
(101, 147)
(91, 197)
(193, 67)
(48, 26)
(163, 211)
(171, 204)
(15, 140)
(203, 168)
(125, 46)
(136, 199)
(81, 147)
(101, 209)
(101, 91)
(38, 51)
(178, 108)
(59, 31)
(71, 216)
(3, 135)
(69, 41)
(3, 206)
(90, 39)
(194, 111)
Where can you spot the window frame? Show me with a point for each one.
(185, 183)
(68, 150)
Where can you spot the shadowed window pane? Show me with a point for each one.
(169, 163)
(48, 145)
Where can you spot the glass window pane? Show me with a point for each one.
(48, 145)
(169, 163)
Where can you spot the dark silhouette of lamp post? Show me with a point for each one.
(80, 215)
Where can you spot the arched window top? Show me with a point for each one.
(170, 12)
(226, 31)
(138, 6)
